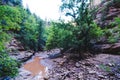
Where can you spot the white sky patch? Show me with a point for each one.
(46, 9)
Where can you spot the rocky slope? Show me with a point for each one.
(98, 67)
(106, 13)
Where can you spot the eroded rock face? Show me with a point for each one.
(21, 55)
(17, 51)
(107, 11)
(108, 48)
(14, 45)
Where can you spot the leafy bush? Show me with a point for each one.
(31, 33)
(8, 66)
(59, 36)
(9, 21)
(113, 34)
(117, 21)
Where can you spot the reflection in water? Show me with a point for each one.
(35, 67)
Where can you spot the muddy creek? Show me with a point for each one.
(35, 67)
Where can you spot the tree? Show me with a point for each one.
(77, 9)
(82, 32)
(11, 2)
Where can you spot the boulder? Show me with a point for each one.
(22, 55)
(55, 55)
(107, 48)
(14, 45)
(111, 48)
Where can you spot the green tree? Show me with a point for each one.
(79, 33)
(31, 31)
(10, 19)
(11, 2)
(83, 17)
(60, 35)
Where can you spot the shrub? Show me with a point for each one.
(113, 34)
(31, 32)
(59, 36)
(9, 21)
(8, 66)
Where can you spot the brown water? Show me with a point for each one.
(35, 67)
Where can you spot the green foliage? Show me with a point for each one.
(105, 68)
(11, 2)
(59, 36)
(117, 21)
(78, 34)
(113, 34)
(28, 27)
(67, 35)
(8, 66)
(31, 33)
(9, 21)
(9, 18)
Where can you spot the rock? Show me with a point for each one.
(61, 63)
(14, 45)
(108, 48)
(80, 75)
(92, 72)
(113, 48)
(118, 75)
(23, 75)
(107, 11)
(97, 66)
(23, 72)
(56, 55)
(64, 57)
(111, 64)
(77, 64)
(38, 77)
(112, 15)
(21, 56)
(88, 64)
(101, 76)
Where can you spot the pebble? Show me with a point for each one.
(80, 75)
(92, 72)
(77, 64)
(101, 76)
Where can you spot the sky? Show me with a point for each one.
(46, 9)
